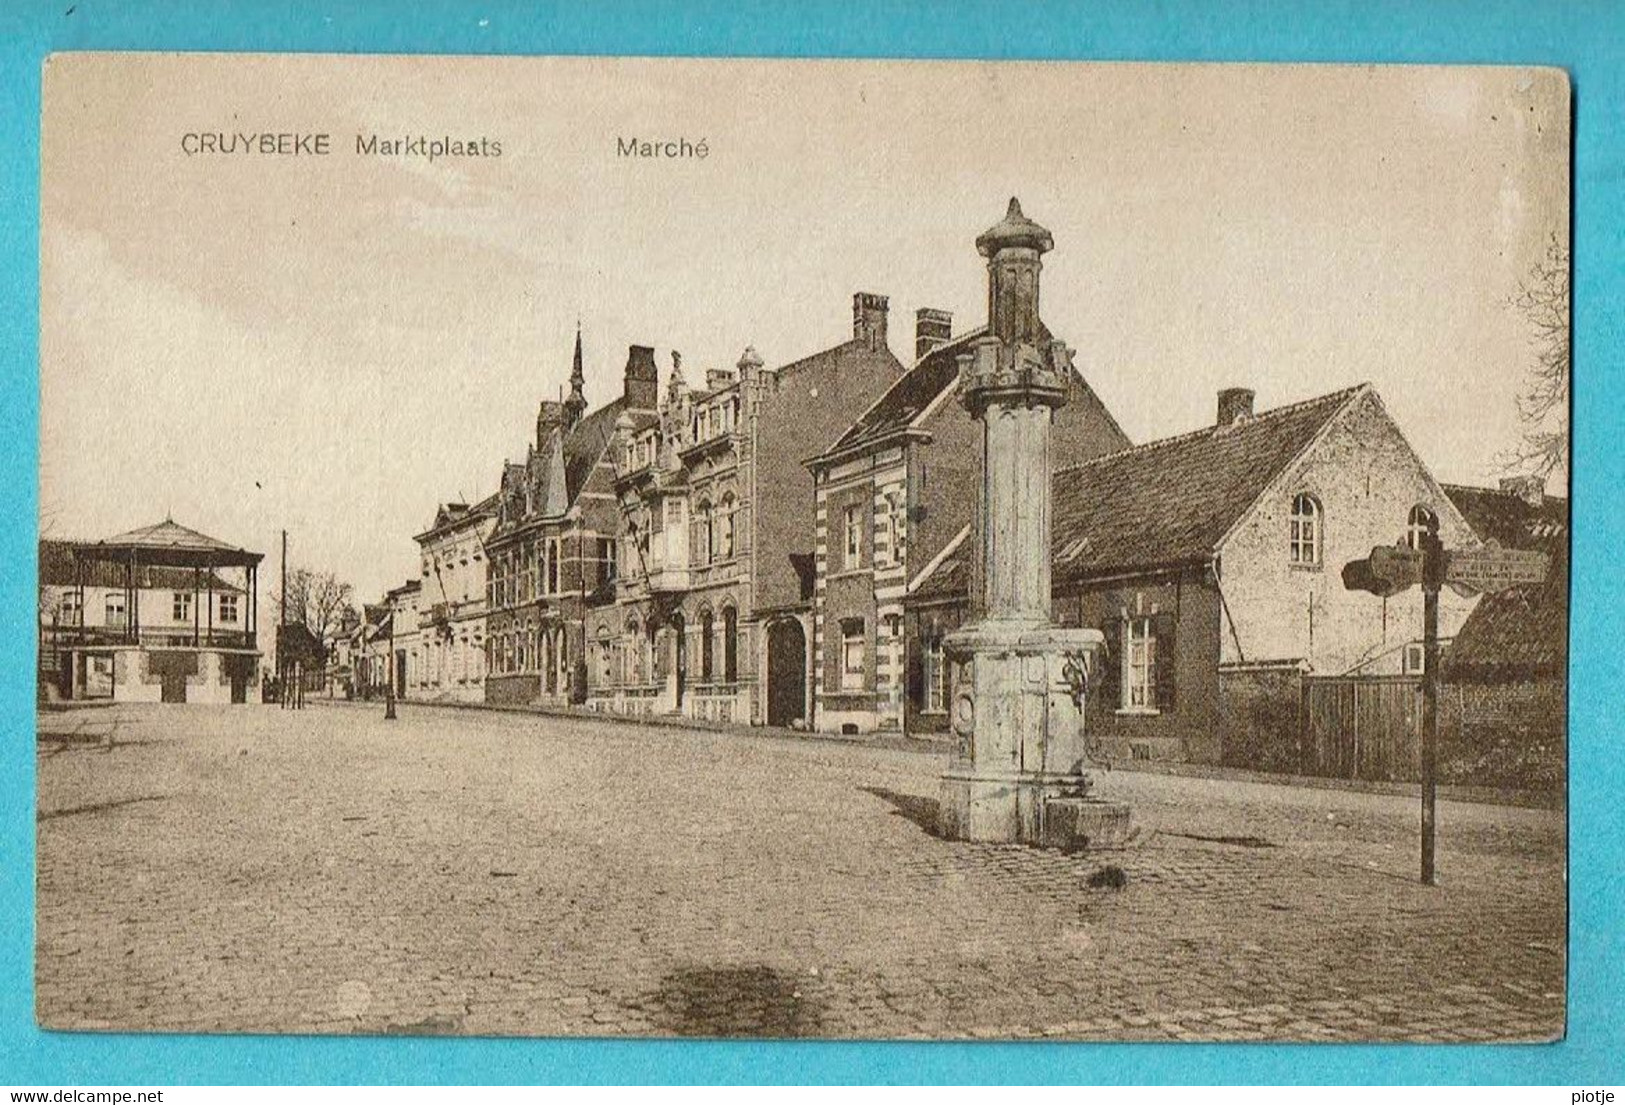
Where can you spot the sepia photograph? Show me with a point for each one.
(683, 547)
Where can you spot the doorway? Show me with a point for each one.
(680, 648)
(786, 672)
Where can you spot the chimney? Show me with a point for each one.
(1235, 405)
(932, 329)
(550, 416)
(1531, 489)
(642, 382)
(869, 320)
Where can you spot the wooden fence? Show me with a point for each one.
(1362, 727)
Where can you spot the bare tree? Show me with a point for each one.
(1543, 300)
(321, 603)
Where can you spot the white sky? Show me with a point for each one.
(335, 345)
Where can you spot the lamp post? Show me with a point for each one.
(389, 667)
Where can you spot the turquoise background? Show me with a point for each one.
(1588, 39)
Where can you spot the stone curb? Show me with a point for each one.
(1483, 796)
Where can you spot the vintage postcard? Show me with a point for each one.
(607, 546)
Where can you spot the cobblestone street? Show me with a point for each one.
(253, 870)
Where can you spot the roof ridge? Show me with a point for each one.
(1189, 435)
(919, 363)
(799, 361)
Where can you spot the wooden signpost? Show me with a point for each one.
(1390, 570)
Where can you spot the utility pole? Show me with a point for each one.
(281, 630)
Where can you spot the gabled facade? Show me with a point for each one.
(452, 624)
(894, 492)
(370, 648)
(551, 553)
(711, 613)
(400, 638)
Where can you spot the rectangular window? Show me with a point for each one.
(1139, 664)
(553, 566)
(181, 608)
(115, 610)
(935, 670)
(606, 559)
(854, 538)
(852, 655)
(1415, 660)
(228, 609)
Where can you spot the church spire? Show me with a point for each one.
(576, 405)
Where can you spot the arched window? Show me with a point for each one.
(730, 645)
(1418, 522)
(1305, 532)
(606, 663)
(707, 627)
(704, 549)
(726, 542)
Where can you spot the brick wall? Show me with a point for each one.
(812, 407)
(1260, 716)
(1182, 724)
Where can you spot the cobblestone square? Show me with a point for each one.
(472, 872)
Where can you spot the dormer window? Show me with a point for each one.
(1305, 530)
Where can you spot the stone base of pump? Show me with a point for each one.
(1044, 810)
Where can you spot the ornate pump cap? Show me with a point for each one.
(1016, 231)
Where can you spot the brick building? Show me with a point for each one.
(895, 494)
(552, 550)
(1211, 562)
(711, 613)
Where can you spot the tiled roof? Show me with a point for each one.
(1511, 520)
(1164, 503)
(1172, 501)
(585, 443)
(56, 569)
(1522, 632)
(906, 399)
(948, 580)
